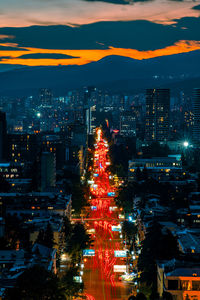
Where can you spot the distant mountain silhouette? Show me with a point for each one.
(116, 73)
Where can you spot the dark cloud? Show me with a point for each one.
(125, 2)
(139, 34)
(197, 7)
(4, 57)
(110, 1)
(8, 48)
(46, 56)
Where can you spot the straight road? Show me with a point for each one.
(100, 280)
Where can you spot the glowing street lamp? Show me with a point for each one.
(185, 144)
(98, 135)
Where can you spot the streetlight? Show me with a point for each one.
(185, 144)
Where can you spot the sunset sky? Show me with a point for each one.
(82, 31)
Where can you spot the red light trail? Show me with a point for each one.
(101, 282)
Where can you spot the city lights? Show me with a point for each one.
(104, 226)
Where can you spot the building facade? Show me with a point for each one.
(3, 136)
(127, 124)
(196, 110)
(157, 114)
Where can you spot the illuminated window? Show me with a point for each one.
(186, 285)
(196, 285)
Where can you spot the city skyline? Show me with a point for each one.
(99, 149)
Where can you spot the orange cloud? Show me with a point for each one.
(87, 56)
(5, 36)
(27, 13)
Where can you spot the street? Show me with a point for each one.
(102, 267)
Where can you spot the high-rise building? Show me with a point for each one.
(3, 136)
(48, 171)
(127, 124)
(157, 114)
(22, 147)
(90, 95)
(90, 119)
(196, 111)
(45, 97)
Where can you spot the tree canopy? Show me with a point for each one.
(36, 283)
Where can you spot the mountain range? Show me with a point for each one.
(114, 73)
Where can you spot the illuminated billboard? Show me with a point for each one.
(119, 268)
(93, 208)
(111, 194)
(121, 216)
(116, 228)
(78, 279)
(90, 231)
(113, 208)
(89, 252)
(120, 253)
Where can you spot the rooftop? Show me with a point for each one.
(185, 272)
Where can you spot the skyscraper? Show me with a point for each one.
(196, 110)
(157, 114)
(48, 171)
(90, 119)
(45, 97)
(3, 136)
(127, 124)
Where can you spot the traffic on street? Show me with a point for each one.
(106, 262)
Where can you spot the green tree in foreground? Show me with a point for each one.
(156, 246)
(78, 198)
(36, 283)
(79, 240)
(140, 296)
(69, 285)
(129, 230)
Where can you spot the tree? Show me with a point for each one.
(79, 240)
(155, 150)
(140, 296)
(36, 283)
(125, 196)
(71, 287)
(156, 246)
(129, 230)
(67, 228)
(78, 198)
(131, 298)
